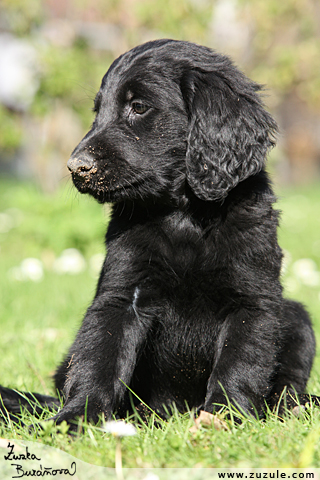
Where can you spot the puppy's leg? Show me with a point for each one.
(297, 349)
(101, 361)
(295, 359)
(60, 375)
(246, 355)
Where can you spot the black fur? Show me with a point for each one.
(189, 305)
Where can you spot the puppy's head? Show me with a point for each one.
(170, 113)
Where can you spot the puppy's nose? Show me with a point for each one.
(80, 165)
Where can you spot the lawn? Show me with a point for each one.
(43, 300)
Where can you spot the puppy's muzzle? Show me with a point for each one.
(81, 166)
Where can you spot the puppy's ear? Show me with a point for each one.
(230, 133)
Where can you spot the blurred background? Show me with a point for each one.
(53, 54)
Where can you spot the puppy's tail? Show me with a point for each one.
(12, 403)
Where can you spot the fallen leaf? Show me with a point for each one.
(298, 410)
(220, 424)
(207, 419)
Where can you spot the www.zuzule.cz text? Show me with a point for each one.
(268, 475)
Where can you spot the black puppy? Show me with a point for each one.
(189, 306)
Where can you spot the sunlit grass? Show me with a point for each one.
(39, 319)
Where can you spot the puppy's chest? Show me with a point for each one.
(178, 284)
(184, 274)
(182, 302)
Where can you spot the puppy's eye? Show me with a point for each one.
(139, 107)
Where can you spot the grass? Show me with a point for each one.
(40, 318)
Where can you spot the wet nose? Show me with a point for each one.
(80, 165)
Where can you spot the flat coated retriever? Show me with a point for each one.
(188, 309)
